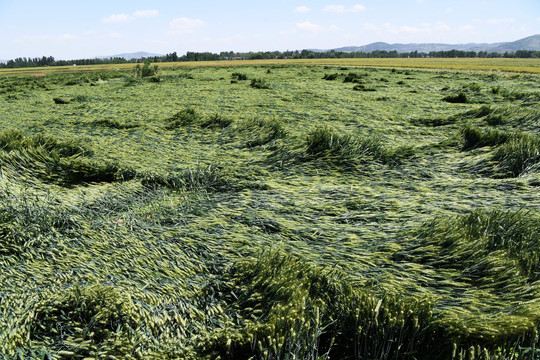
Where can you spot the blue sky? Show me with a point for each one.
(85, 29)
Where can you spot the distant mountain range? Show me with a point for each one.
(129, 56)
(528, 43)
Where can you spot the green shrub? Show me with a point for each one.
(353, 78)
(259, 84)
(146, 70)
(239, 76)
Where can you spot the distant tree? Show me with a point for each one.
(146, 70)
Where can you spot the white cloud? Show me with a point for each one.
(302, 10)
(309, 26)
(146, 13)
(122, 18)
(185, 25)
(69, 37)
(538, 19)
(341, 9)
(115, 19)
(500, 21)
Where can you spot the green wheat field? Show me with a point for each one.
(270, 211)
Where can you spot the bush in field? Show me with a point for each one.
(239, 76)
(353, 78)
(146, 70)
(259, 84)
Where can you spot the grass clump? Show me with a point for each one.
(515, 116)
(362, 87)
(13, 139)
(191, 117)
(517, 155)
(460, 98)
(64, 162)
(330, 77)
(114, 124)
(433, 122)
(83, 322)
(325, 142)
(260, 131)
(474, 137)
(494, 250)
(477, 113)
(216, 121)
(184, 117)
(28, 224)
(209, 178)
(60, 101)
(468, 239)
(304, 312)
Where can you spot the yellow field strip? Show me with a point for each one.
(502, 65)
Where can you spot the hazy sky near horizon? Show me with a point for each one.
(86, 29)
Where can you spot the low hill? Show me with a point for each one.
(528, 43)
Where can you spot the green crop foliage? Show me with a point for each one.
(192, 215)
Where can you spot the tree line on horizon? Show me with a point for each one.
(262, 55)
